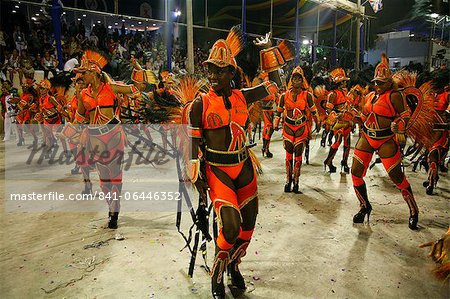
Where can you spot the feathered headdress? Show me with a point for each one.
(92, 60)
(382, 71)
(45, 84)
(338, 75)
(223, 52)
(404, 79)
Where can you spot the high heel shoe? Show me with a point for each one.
(87, 188)
(361, 215)
(287, 187)
(112, 220)
(345, 167)
(295, 189)
(331, 167)
(413, 220)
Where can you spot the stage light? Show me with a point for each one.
(154, 24)
(17, 6)
(116, 24)
(34, 19)
(324, 58)
(99, 22)
(305, 42)
(79, 19)
(139, 23)
(14, 11)
(177, 13)
(123, 21)
(109, 27)
(434, 15)
(37, 15)
(84, 16)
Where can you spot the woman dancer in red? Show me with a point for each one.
(27, 109)
(337, 108)
(295, 104)
(104, 139)
(218, 120)
(386, 117)
(51, 117)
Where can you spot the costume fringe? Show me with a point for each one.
(420, 125)
(287, 49)
(255, 112)
(256, 163)
(320, 96)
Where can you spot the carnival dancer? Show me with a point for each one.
(51, 118)
(27, 109)
(99, 108)
(432, 131)
(218, 119)
(296, 104)
(442, 106)
(337, 108)
(386, 117)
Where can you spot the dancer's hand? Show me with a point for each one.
(264, 42)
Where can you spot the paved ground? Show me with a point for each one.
(305, 246)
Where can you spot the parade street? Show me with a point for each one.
(304, 246)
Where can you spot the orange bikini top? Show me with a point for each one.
(300, 102)
(105, 99)
(380, 105)
(441, 102)
(340, 98)
(215, 115)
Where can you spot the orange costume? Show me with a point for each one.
(296, 127)
(218, 123)
(340, 117)
(380, 112)
(27, 109)
(103, 140)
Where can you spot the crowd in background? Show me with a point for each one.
(22, 54)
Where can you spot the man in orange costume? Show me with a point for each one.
(218, 121)
(386, 115)
(297, 105)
